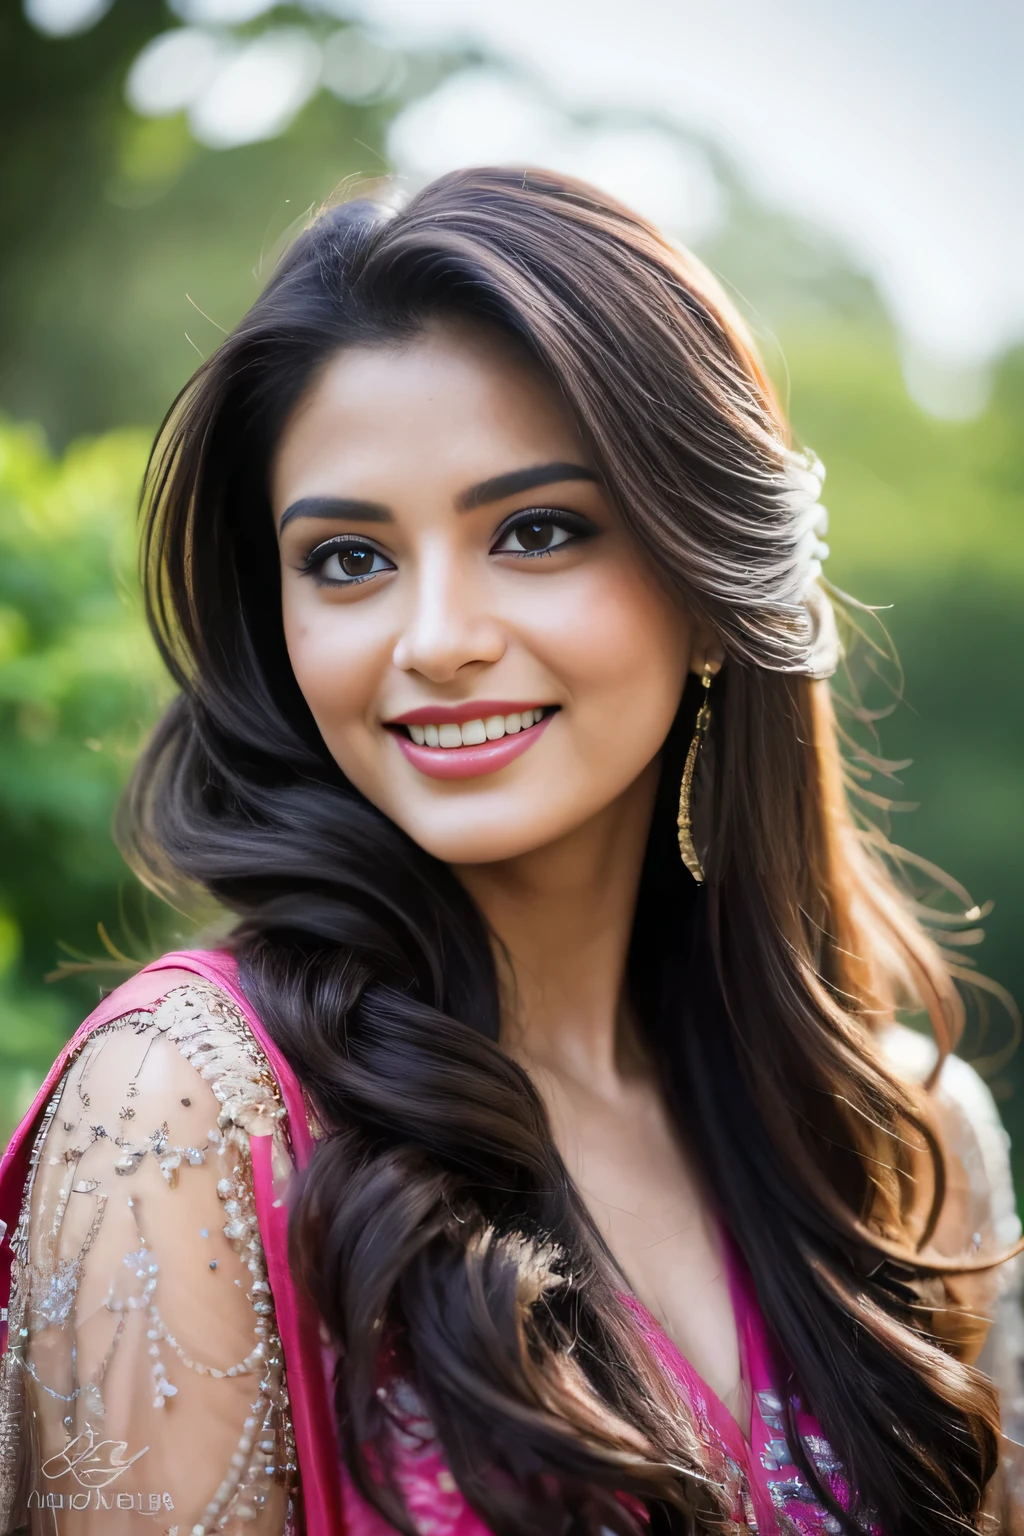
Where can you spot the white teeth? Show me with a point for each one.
(474, 733)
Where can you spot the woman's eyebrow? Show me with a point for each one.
(518, 480)
(335, 506)
(495, 489)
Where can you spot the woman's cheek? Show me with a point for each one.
(621, 639)
(333, 667)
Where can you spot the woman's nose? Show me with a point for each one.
(449, 626)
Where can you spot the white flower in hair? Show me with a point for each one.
(805, 476)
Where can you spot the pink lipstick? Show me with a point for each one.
(461, 741)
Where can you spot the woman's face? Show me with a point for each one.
(487, 654)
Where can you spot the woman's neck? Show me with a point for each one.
(562, 916)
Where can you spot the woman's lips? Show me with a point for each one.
(469, 762)
(455, 714)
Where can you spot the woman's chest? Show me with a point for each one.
(651, 1212)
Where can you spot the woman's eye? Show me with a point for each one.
(540, 535)
(345, 564)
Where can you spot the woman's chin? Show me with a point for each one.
(475, 828)
(481, 840)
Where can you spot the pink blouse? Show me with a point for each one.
(767, 1492)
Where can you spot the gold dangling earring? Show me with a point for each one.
(687, 851)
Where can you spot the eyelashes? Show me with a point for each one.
(540, 530)
(348, 560)
(345, 562)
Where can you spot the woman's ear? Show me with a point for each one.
(707, 652)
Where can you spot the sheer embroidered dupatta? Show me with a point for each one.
(311, 1410)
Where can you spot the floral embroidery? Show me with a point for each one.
(797, 1506)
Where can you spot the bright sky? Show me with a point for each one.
(897, 125)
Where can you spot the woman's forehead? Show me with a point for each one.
(453, 401)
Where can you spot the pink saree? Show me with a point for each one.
(766, 1492)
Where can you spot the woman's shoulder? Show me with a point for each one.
(974, 1137)
(162, 1074)
(210, 970)
(182, 1024)
(169, 1048)
(979, 1214)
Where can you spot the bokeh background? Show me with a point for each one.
(853, 173)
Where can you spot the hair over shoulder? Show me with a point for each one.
(437, 1197)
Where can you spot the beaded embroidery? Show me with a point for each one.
(39, 1375)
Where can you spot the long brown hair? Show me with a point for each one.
(436, 1213)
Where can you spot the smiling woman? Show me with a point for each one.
(419, 574)
(504, 1171)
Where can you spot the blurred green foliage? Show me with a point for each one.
(122, 234)
(79, 680)
(927, 524)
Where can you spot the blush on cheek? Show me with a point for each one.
(339, 683)
(624, 632)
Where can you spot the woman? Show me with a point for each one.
(559, 973)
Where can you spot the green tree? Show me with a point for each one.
(79, 682)
(121, 233)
